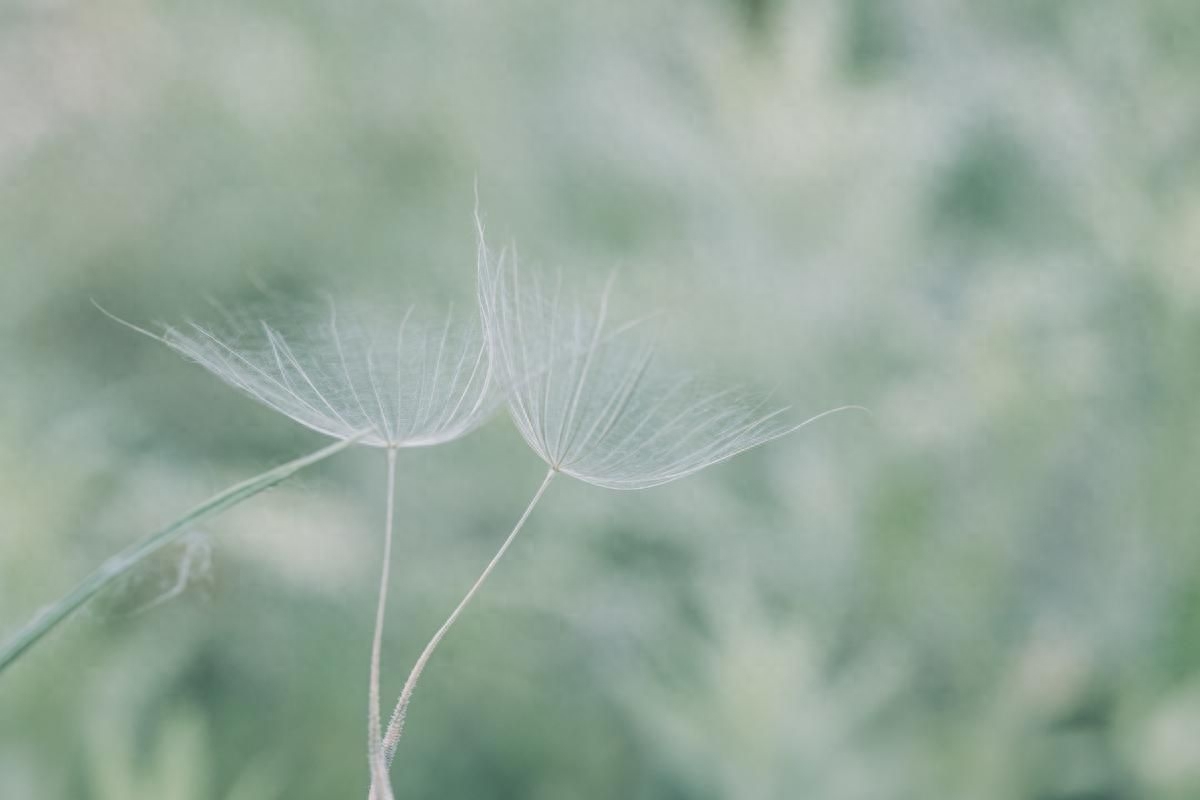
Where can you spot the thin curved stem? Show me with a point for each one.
(379, 776)
(396, 725)
(116, 566)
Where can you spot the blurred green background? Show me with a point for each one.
(980, 219)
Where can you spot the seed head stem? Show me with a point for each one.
(379, 776)
(396, 725)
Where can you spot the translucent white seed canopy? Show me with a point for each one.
(592, 397)
(410, 380)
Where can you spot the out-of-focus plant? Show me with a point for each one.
(177, 765)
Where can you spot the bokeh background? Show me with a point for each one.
(980, 219)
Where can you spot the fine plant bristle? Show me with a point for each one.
(412, 381)
(592, 398)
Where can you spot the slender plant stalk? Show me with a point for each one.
(116, 566)
(379, 773)
(396, 725)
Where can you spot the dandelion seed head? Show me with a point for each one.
(411, 380)
(592, 397)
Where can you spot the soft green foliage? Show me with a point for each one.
(980, 219)
(174, 764)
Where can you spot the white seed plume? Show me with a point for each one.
(593, 400)
(411, 382)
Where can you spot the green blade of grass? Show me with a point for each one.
(127, 559)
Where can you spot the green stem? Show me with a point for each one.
(127, 559)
